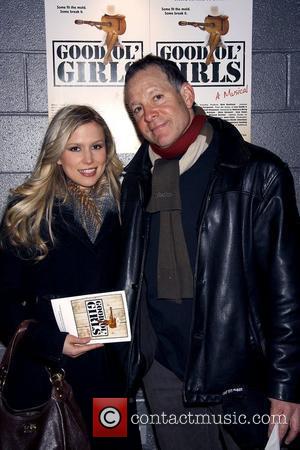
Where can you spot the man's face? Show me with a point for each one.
(162, 113)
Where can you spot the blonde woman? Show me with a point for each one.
(59, 238)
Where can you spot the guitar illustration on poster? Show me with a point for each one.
(216, 25)
(113, 25)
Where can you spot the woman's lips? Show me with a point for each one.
(88, 172)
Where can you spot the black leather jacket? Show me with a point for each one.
(246, 321)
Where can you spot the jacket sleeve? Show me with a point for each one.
(277, 249)
(17, 300)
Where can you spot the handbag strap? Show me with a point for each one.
(56, 376)
(10, 350)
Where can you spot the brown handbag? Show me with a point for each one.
(57, 424)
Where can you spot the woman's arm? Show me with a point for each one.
(18, 302)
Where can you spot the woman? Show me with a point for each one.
(60, 238)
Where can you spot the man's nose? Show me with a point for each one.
(149, 113)
(87, 156)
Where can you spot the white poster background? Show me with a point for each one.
(77, 73)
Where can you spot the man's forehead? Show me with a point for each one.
(149, 78)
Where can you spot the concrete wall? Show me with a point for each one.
(23, 89)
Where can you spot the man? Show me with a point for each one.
(211, 230)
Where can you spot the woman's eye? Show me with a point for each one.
(97, 146)
(74, 149)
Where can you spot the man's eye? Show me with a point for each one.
(136, 110)
(158, 96)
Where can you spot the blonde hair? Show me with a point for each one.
(32, 204)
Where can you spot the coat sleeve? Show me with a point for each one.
(17, 300)
(277, 249)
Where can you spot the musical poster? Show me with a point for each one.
(89, 46)
(211, 42)
(91, 43)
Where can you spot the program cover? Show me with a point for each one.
(103, 317)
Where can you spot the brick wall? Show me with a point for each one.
(23, 90)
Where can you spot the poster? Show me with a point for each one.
(211, 41)
(90, 45)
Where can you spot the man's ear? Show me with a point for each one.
(188, 94)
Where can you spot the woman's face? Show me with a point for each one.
(84, 156)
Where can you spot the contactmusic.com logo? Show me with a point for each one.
(109, 417)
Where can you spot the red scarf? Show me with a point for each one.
(182, 144)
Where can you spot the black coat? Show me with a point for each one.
(246, 323)
(74, 266)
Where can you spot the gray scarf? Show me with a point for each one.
(90, 206)
(174, 272)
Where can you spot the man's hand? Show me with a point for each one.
(291, 425)
(75, 346)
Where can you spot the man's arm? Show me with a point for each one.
(277, 246)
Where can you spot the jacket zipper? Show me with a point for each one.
(254, 332)
(202, 214)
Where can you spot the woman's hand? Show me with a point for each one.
(75, 346)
